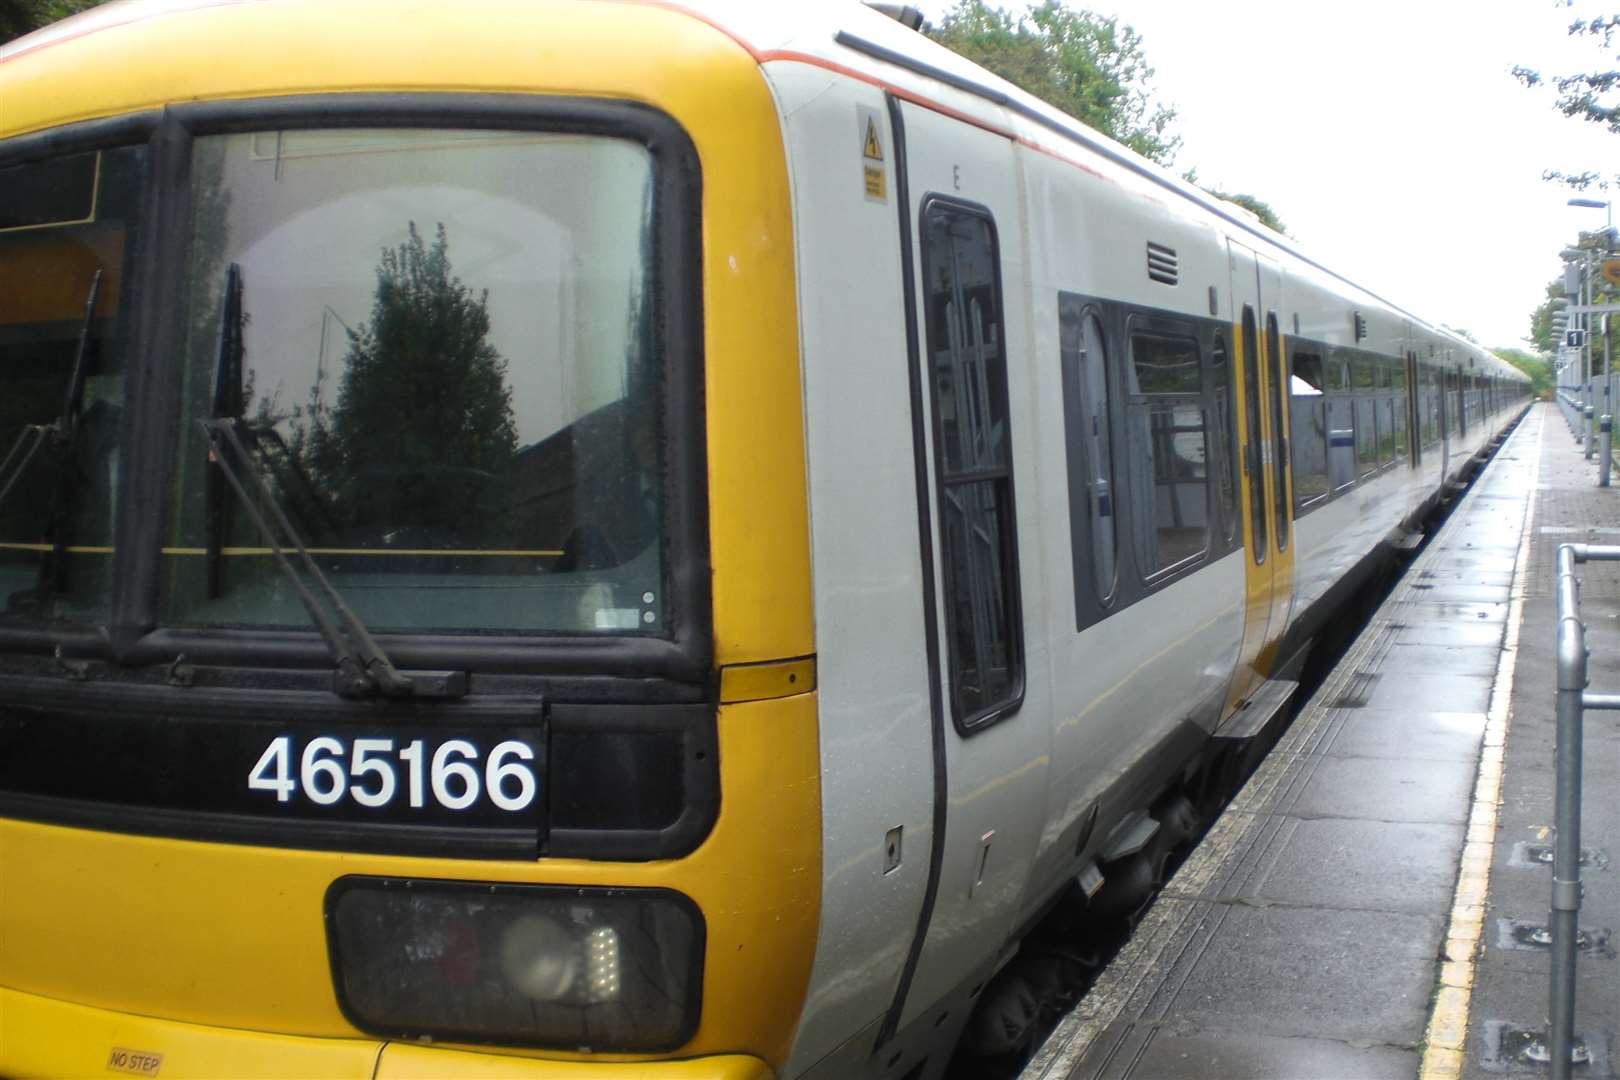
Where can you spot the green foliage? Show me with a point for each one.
(1260, 209)
(19, 17)
(1535, 367)
(1088, 65)
(424, 418)
(1541, 332)
(1593, 96)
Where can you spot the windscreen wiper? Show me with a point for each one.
(62, 432)
(363, 669)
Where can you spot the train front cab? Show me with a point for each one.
(203, 875)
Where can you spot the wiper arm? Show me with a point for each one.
(61, 433)
(65, 433)
(227, 402)
(363, 669)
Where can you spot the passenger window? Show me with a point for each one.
(1362, 382)
(1386, 431)
(1086, 382)
(973, 461)
(1308, 416)
(1167, 435)
(1226, 463)
(1401, 448)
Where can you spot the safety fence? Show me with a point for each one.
(1573, 701)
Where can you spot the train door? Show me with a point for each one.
(1256, 288)
(961, 190)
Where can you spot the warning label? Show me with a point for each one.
(874, 174)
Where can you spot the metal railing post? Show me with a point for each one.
(1573, 701)
(1606, 459)
(1591, 426)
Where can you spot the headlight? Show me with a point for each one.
(542, 965)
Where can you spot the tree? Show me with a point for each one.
(1533, 366)
(1593, 96)
(423, 420)
(1260, 209)
(19, 17)
(1088, 65)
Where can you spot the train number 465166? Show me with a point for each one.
(372, 771)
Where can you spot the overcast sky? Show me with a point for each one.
(1390, 137)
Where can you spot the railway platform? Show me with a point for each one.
(1373, 902)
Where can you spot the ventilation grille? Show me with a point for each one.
(1163, 266)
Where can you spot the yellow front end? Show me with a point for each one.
(162, 957)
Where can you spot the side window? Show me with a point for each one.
(1430, 406)
(1089, 435)
(1171, 449)
(1362, 384)
(1308, 416)
(1226, 463)
(1403, 409)
(972, 461)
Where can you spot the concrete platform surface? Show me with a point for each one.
(1368, 904)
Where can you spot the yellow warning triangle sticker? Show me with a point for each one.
(873, 148)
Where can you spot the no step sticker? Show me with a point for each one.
(874, 171)
(137, 1062)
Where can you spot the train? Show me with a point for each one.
(659, 538)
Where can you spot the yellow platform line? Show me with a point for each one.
(1445, 1043)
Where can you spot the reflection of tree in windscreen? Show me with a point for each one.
(423, 418)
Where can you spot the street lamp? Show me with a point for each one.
(1598, 204)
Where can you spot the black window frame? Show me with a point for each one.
(988, 715)
(1090, 603)
(1309, 351)
(1168, 325)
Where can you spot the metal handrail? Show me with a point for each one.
(1573, 701)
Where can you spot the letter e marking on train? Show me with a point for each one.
(138, 1062)
(874, 177)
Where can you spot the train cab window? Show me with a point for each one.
(1170, 450)
(973, 462)
(1086, 382)
(1226, 459)
(69, 230)
(1308, 427)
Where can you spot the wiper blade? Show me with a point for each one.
(363, 669)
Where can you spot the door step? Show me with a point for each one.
(1262, 706)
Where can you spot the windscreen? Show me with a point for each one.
(67, 230)
(436, 350)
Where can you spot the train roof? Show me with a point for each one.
(855, 40)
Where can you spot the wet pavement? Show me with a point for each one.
(1368, 905)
